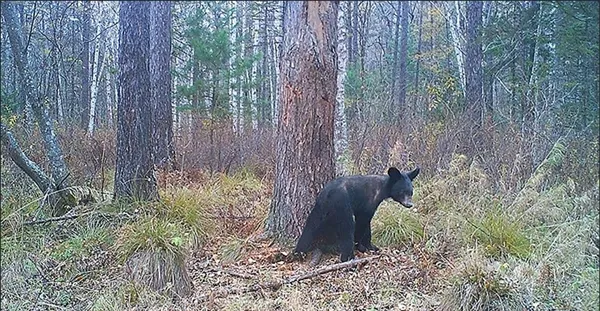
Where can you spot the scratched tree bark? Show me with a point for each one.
(305, 146)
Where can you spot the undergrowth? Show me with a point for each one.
(530, 247)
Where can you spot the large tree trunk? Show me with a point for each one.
(134, 177)
(305, 160)
(160, 79)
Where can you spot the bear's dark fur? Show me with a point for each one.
(343, 211)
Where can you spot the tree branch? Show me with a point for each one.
(20, 158)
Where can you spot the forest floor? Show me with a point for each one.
(395, 280)
(464, 248)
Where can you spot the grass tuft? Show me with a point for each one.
(500, 236)
(184, 206)
(154, 255)
(396, 226)
(151, 234)
(479, 284)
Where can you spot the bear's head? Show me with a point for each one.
(401, 185)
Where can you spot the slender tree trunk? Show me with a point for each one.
(239, 78)
(98, 61)
(30, 168)
(341, 128)
(305, 149)
(420, 109)
(248, 53)
(58, 166)
(474, 73)
(353, 30)
(160, 82)
(85, 99)
(134, 177)
(403, 77)
(532, 112)
(266, 104)
(456, 26)
(395, 59)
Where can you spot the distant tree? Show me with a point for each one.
(305, 153)
(403, 59)
(474, 72)
(134, 177)
(85, 98)
(160, 80)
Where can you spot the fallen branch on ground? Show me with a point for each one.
(51, 219)
(234, 273)
(277, 284)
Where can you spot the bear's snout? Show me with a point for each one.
(407, 202)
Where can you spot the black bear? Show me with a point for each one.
(344, 208)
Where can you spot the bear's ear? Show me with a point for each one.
(394, 173)
(413, 174)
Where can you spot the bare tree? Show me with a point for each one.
(134, 177)
(59, 171)
(305, 160)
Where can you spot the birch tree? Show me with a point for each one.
(341, 127)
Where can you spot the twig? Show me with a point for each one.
(43, 221)
(277, 284)
(235, 273)
(51, 305)
(330, 268)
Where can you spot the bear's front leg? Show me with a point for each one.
(345, 231)
(362, 235)
(366, 241)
